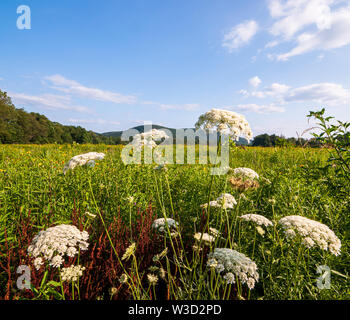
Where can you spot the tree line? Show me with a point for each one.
(265, 140)
(19, 126)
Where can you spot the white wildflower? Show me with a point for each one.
(257, 219)
(56, 242)
(313, 233)
(129, 251)
(246, 173)
(214, 232)
(160, 225)
(229, 277)
(38, 262)
(56, 261)
(152, 279)
(225, 201)
(225, 121)
(72, 273)
(234, 263)
(205, 237)
(148, 138)
(83, 159)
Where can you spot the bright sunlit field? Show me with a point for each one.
(127, 258)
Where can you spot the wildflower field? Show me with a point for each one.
(174, 232)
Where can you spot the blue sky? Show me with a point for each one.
(111, 65)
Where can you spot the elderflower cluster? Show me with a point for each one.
(160, 226)
(55, 243)
(312, 232)
(72, 273)
(82, 159)
(245, 173)
(226, 122)
(225, 201)
(148, 138)
(234, 263)
(257, 219)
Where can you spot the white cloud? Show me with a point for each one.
(272, 44)
(295, 15)
(164, 106)
(93, 121)
(329, 94)
(255, 81)
(240, 35)
(311, 24)
(48, 101)
(1, 79)
(72, 87)
(260, 108)
(275, 90)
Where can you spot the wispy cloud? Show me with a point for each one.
(255, 81)
(165, 106)
(48, 101)
(311, 24)
(93, 121)
(74, 88)
(240, 35)
(330, 94)
(261, 108)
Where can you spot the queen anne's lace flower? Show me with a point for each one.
(232, 263)
(160, 225)
(257, 219)
(205, 237)
(129, 251)
(56, 242)
(226, 122)
(245, 173)
(225, 201)
(313, 233)
(148, 138)
(72, 273)
(82, 159)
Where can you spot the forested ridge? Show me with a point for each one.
(19, 126)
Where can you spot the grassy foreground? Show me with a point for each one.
(35, 195)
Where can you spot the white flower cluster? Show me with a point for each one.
(232, 263)
(312, 232)
(204, 237)
(225, 201)
(258, 219)
(225, 121)
(160, 224)
(148, 138)
(246, 173)
(72, 273)
(82, 159)
(56, 242)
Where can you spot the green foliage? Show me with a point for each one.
(19, 126)
(335, 137)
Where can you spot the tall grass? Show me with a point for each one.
(35, 195)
